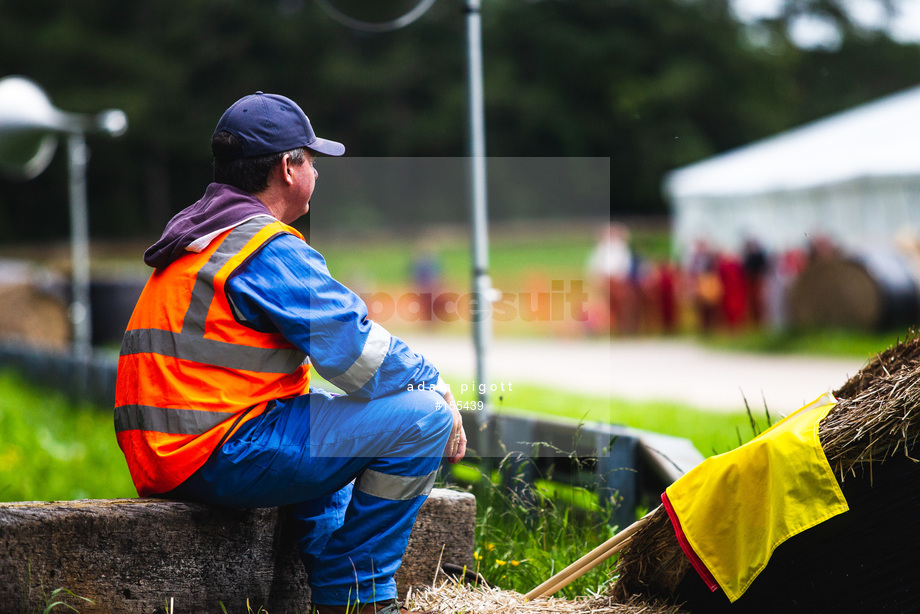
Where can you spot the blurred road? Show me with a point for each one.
(655, 369)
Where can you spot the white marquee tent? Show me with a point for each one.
(853, 177)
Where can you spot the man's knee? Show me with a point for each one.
(434, 414)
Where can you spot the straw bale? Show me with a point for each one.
(878, 412)
(454, 598)
(653, 563)
(877, 416)
(902, 354)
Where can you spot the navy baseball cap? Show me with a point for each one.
(270, 123)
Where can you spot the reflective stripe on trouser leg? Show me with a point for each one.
(385, 502)
(395, 487)
(369, 545)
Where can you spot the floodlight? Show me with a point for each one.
(29, 130)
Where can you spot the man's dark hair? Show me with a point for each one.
(247, 174)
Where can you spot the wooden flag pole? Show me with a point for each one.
(587, 562)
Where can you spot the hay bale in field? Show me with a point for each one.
(867, 291)
(861, 560)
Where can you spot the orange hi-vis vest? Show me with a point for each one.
(189, 373)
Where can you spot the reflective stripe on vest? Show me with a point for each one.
(395, 487)
(211, 351)
(166, 420)
(203, 292)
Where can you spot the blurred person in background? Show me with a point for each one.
(213, 397)
(426, 279)
(781, 275)
(756, 266)
(734, 289)
(612, 269)
(665, 284)
(705, 286)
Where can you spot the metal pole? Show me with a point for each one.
(78, 156)
(482, 284)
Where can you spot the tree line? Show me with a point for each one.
(650, 84)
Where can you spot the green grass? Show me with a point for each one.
(710, 432)
(518, 256)
(524, 537)
(826, 343)
(62, 598)
(53, 450)
(512, 260)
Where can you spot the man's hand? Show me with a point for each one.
(456, 445)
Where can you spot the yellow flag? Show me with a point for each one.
(734, 509)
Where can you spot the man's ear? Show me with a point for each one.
(286, 168)
(280, 174)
